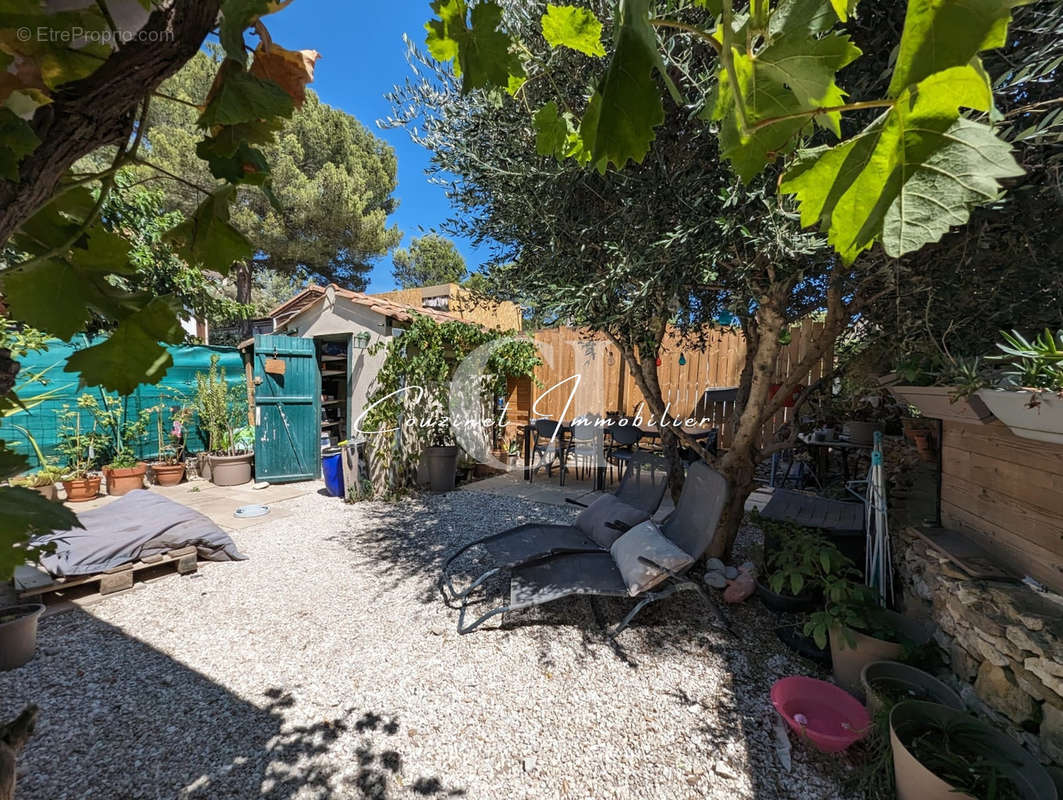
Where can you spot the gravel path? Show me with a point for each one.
(326, 666)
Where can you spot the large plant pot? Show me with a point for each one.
(125, 480)
(787, 603)
(889, 682)
(18, 634)
(80, 490)
(442, 467)
(230, 470)
(914, 781)
(850, 659)
(862, 432)
(1043, 421)
(937, 402)
(168, 474)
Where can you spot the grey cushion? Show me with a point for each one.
(648, 541)
(592, 521)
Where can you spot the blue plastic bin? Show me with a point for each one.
(332, 469)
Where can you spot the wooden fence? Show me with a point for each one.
(698, 378)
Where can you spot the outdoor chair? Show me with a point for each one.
(585, 444)
(547, 443)
(635, 500)
(624, 443)
(646, 562)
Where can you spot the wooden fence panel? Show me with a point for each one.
(607, 385)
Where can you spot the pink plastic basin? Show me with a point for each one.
(831, 718)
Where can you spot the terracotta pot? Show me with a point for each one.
(49, 491)
(937, 402)
(915, 782)
(81, 489)
(883, 679)
(921, 439)
(1043, 420)
(230, 470)
(18, 634)
(168, 474)
(125, 480)
(850, 660)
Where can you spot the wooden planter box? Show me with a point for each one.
(1043, 420)
(936, 402)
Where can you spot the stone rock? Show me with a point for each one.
(989, 651)
(1050, 673)
(715, 565)
(716, 580)
(748, 567)
(1030, 683)
(1052, 733)
(999, 689)
(963, 663)
(1022, 637)
(730, 573)
(739, 589)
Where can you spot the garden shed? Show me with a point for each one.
(344, 326)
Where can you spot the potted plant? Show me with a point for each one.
(513, 451)
(942, 387)
(858, 631)
(47, 477)
(221, 409)
(441, 456)
(79, 448)
(795, 566)
(18, 634)
(169, 469)
(125, 472)
(44, 481)
(887, 683)
(940, 753)
(1029, 398)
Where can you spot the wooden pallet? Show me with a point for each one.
(31, 581)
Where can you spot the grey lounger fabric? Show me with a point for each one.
(691, 528)
(138, 525)
(640, 493)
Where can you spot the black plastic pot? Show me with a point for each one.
(804, 646)
(442, 467)
(787, 603)
(892, 678)
(18, 635)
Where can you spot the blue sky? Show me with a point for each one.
(362, 57)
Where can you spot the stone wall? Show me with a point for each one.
(1003, 641)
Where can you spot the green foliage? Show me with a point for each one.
(577, 28)
(803, 559)
(903, 180)
(221, 409)
(409, 394)
(482, 54)
(430, 260)
(23, 513)
(1036, 364)
(122, 433)
(961, 754)
(78, 443)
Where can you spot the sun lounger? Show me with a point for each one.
(647, 562)
(635, 500)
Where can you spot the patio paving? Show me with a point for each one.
(219, 502)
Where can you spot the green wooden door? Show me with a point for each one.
(287, 410)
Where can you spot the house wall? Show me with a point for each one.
(500, 316)
(1006, 491)
(349, 319)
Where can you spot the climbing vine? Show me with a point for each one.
(408, 406)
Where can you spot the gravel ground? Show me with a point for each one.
(326, 666)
